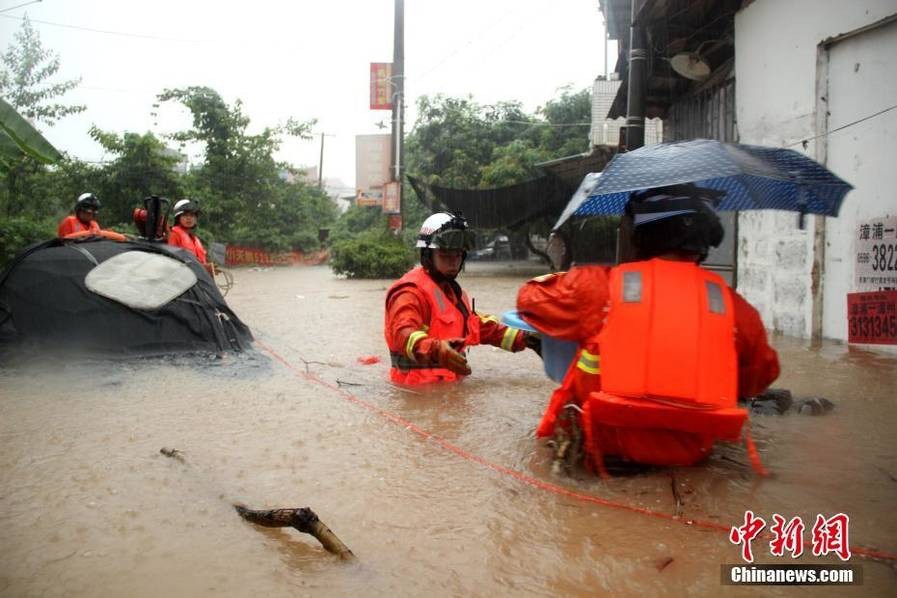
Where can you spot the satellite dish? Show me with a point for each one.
(690, 65)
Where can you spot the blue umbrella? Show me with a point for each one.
(753, 177)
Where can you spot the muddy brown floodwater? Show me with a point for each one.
(88, 506)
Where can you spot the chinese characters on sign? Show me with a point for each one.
(372, 155)
(872, 318)
(391, 202)
(829, 535)
(381, 86)
(876, 256)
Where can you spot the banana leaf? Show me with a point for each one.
(18, 137)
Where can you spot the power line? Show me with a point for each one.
(110, 32)
(544, 124)
(19, 5)
(804, 142)
(470, 41)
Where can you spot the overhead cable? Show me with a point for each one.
(805, 141)
(110, 32)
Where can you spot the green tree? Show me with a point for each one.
(455, 138)
(569, 116)
(25, 79)
(239, 184)
(27, 71)
(143, 166)
(457, 142)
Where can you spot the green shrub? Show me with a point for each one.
(371, 255)
(18, 233)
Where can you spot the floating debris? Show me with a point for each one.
(303, 519)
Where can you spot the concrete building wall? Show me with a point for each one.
(776, 48)
(605, 131)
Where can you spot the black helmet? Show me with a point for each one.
(87, 201)
(675, 218)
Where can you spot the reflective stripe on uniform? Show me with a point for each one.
(412, 340)
(507, 341)
(440, 298)
(632, 287)
(589, 362)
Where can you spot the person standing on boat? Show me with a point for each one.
(83, 217)
(183, 233)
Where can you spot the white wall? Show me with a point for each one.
(861, 80)
(775, 68)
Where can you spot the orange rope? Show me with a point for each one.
(522, 477)
(752, 452)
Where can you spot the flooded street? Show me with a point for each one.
(440, 493)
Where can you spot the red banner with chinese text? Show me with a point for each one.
(247, 256)
(872, 318)
(381, 86)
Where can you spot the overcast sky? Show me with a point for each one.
(304, 59)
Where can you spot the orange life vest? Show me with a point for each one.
(669, 371)
(111, 235)
(181, 237)
(658, 383)
(71, 225)
(446, 322)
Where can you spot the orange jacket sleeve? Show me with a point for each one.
(408, 312)
(493, 332)
(758, 363)
(71, 224)
(566, 305)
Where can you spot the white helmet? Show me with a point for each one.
(445, 231)
(185, 205)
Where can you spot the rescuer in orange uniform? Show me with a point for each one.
(183, 233)
(665, 346)
(83, 217)
(429, 318)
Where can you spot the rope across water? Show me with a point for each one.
(520, 476)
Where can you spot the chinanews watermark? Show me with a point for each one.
(828, 536)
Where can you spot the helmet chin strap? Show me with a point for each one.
(426, 260)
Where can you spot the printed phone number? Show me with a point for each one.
(882, 258)
(873, 326)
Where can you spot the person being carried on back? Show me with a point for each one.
(665, 347)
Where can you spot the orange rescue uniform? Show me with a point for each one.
(71, 224)
(420, 313)
(679, 347)
(182, 237)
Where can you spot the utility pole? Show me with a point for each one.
(321, 165)
(635, 118)
(638, 65)
(398, 97)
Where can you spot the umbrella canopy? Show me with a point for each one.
(753, 177)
